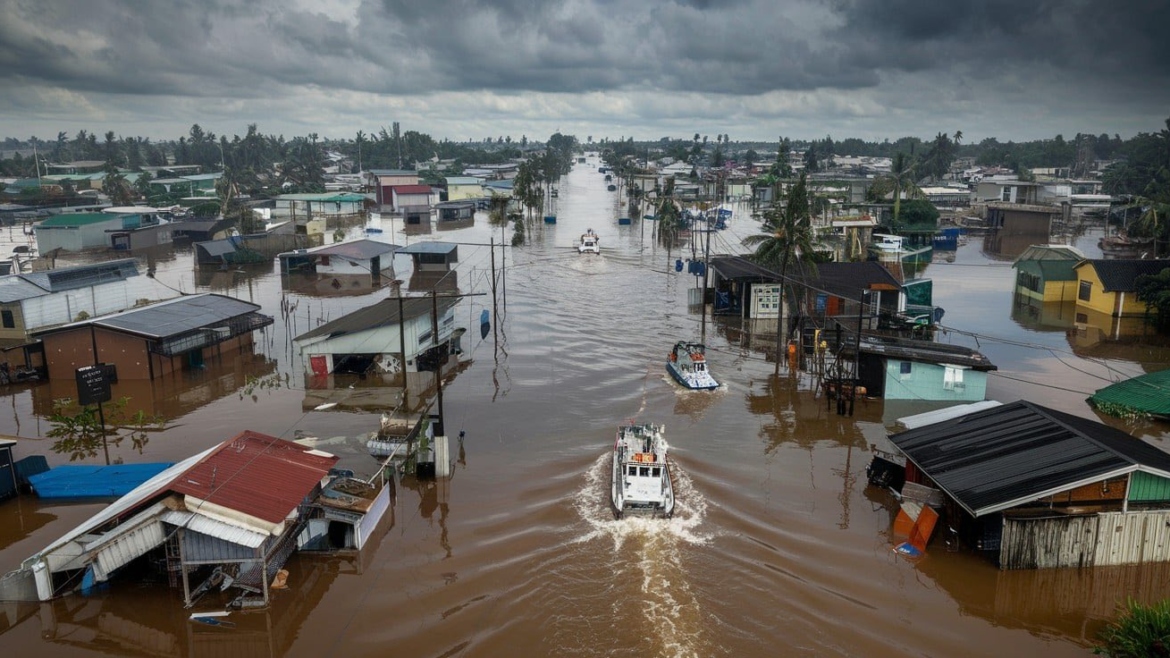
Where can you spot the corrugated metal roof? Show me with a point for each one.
(429, 248)
(77, 219)
(463, 180)
(381, 314)
(1057, 252)
(1019, 452)
(738, 267)
(924, 351)
(356, 249)
(847, 280)
(411, 189)
(214, 528)
(939, 415)
(14, 288)
(178, 316)
(256, 474)
(1149, 393)
(83, 276)
(1120, 275)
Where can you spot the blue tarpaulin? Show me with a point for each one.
(87, 481)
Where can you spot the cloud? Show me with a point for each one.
(755, 67)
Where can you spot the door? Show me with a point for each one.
(318, 364)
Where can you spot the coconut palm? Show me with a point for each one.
(667, 213)
(900, 182)
(786, 238)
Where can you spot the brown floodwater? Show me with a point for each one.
(777, 546)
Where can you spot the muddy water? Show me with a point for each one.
(777, 546)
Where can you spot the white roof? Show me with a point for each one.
(939, 415)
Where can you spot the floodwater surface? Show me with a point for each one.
(777, 546)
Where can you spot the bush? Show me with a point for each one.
(1138, 632)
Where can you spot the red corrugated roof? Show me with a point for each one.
(411, 189)
(256, 474)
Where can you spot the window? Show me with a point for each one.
(424, 337)
(633, 470)
(7, 319)
(656, 472)
(1007, 193)
(904, 370)
(1086, 291)
(644, 471)
(952, 378)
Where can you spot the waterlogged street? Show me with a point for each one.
(777, 547)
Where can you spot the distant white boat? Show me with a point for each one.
(590, 243)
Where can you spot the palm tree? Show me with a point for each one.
(900, 181)
(786, 237)
(668, 215)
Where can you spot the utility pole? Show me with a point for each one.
(439, 365)
(495, 307)
(857, 351)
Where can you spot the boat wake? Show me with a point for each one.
(648, 553)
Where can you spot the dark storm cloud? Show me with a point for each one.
(1095, 41)
(868, 65)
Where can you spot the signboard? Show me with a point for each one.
(93, 384)
(765, 300)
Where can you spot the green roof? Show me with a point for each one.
(1149, 394)
(78, 219)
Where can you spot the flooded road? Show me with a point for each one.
(777, 546)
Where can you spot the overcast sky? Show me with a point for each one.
(460, 69)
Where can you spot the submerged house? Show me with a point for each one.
(38, 300)
(1032, 487)
(227, 518)
(1046, 273)
(392, 337)
(149, 342)
(363, 257)
(113, 228)
(902, 369)
(1106, 293)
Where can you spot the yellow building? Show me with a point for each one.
(1106, 294)
(1047, 273)
(464, 187)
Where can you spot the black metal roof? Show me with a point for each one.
(1121, 275)
(738, 267)
(170, 318)
(847, 280)
(381, 314)
(924, 351)
(991, 460)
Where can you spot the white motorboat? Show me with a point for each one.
(687, 363)
(590, 243)
(641, 472)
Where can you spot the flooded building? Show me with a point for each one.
(1032, 487)
(153, 341)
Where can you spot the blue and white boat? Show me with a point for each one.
(641, 482)
(687, 363)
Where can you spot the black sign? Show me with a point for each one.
(93, 384)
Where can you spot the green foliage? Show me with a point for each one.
(1139, 632)
(919, 213)
(1154, 290)
(1118, 410)
(79, 433)
(265, 383)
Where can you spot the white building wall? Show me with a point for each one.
(103, 299)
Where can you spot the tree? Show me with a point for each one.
(786, 237)
(115, 186)
(1154, 290)
(919, 213)
(810, 160)
(668, 215)
(79, 431)
(899, 182)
